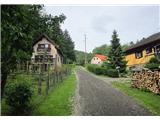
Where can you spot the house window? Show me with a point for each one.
(41, 46)
(157, 51)
(148, 50)
(46, 45)
(138, 55)
(97, 58)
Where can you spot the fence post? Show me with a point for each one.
(47, 81)
(55, 77)
(39, 81)
(27, 67)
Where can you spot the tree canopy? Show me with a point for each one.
(80, 55)
(116, 54)
(104, 49)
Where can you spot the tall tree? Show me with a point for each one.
(116, 55)
(18, 25)
(68, 47)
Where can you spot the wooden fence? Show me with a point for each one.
(42, 79)
(147, 79)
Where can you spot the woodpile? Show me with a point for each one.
(146, 79)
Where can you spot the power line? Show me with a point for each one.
(85, 49)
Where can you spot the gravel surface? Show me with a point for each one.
(94, 97)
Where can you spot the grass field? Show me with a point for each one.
(147, 99)
(60, 100)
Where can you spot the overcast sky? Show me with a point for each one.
(98, 22)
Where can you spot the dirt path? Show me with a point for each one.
(96, 97)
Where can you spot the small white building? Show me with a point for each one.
(46, 52)
(98, 59)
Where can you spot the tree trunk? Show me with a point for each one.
(3, 83)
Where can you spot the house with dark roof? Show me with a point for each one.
(141, 52)
(98, 59)
(46, 52)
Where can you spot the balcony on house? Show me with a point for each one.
(44, 59)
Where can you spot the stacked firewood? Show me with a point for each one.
(147, 79)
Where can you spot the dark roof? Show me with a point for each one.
(43, 36)
(51, 41)
(145, 41)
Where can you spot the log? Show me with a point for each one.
(147, 79)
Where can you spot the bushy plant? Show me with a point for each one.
(152, 66)
(100, 70)
(154, 60)
(153, 63)
(112, 73)
(96, 69)
(18, 97)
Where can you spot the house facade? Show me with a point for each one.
(139, 54)
(46, 52)
(98, 59)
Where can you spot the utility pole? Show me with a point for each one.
(85, 50)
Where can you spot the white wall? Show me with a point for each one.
(53, 52)
(96, 60)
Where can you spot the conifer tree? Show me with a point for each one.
(116, 55)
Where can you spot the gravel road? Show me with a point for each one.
(94, 97)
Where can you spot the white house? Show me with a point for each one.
(46, 52)
(98, 59)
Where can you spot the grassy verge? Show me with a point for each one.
(38, 101)
(60, 99)
(147, 99)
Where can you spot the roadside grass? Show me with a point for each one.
(59, 102)
(37, 100)
(148, 99)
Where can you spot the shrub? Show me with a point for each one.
(112, 73)
(154, 60)
(153, 63)
(18, 96)
(96, 69)
(99, 70)
(152, 66)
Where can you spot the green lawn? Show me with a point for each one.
(147, 99)
(60, 99)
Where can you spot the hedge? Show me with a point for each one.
(99, 70)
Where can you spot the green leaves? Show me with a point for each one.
(18, 96)
(116, 55)
(21, 24)
(154, 63)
